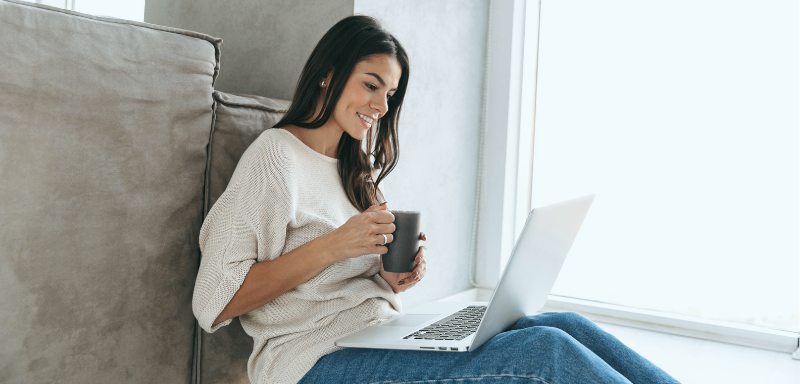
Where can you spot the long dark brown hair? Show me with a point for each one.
(352, 40)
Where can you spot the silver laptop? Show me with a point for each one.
(524, 286)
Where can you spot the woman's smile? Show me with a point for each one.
(365, 120)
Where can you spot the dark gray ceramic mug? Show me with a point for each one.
(405, 245)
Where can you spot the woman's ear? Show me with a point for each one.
(328, 76)
(326, 81)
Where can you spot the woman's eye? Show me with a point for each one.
(373, 87)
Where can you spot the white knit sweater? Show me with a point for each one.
(282, 195)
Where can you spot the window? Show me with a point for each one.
(682, 117)
(127, 9)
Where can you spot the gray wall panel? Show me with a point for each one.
(266, 42)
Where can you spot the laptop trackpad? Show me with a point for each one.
(409, 320)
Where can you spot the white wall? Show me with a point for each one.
(439, 130)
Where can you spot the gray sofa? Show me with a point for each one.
(113, 147)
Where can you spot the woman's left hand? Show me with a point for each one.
(401, 282)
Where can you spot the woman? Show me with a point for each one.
(293, 245)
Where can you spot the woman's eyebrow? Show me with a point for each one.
(383, 83)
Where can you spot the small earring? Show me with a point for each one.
(322, 84)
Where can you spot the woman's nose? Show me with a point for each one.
(381, 106)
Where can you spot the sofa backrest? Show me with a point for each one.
(238, 121)
(104, 128)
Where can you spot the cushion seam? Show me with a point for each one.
(247, 105)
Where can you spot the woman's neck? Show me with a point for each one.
(324, 140)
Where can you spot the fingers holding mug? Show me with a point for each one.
(419, 271)
(420, 260)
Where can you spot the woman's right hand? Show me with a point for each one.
(361, 234)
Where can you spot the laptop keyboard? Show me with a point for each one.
(454, 327)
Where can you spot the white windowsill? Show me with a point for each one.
(722, 331)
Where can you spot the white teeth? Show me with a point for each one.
(367, 119)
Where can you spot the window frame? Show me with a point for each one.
(504, 189)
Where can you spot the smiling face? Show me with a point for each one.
(365, 97)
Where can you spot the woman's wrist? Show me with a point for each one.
(326, 248)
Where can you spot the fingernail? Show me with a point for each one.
(401, 282)
(384, 203)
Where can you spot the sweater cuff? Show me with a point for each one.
(222, 296)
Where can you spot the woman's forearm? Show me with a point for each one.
(267, 280)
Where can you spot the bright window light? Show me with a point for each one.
(120, 9)
(682, 117)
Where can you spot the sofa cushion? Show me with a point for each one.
(104, 127)
(238, 121)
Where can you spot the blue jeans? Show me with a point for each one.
(548, 348)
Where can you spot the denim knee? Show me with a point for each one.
(538, 338)
(574, 318)
(561, 320)
(555, 341)
(555, 335)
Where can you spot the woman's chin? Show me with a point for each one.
(358, 135)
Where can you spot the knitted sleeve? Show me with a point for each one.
(235, 235)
